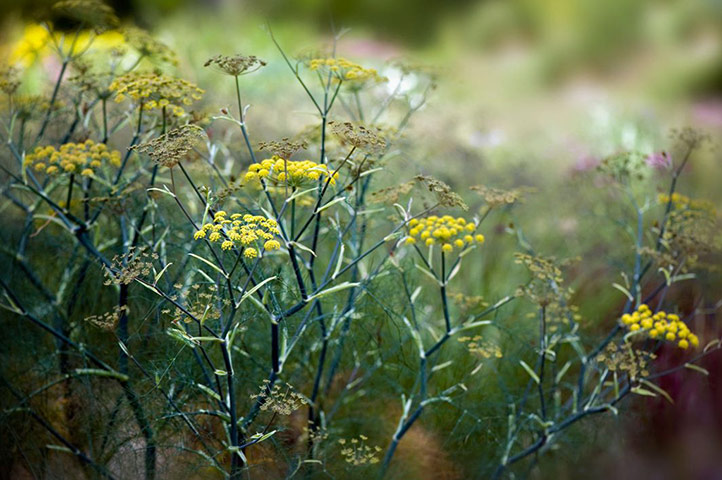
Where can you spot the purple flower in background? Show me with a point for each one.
(659, 160)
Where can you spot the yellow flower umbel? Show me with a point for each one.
(447, 231)
(347, 71)
(276, 170)
(682, 202)
(253, 232)
(660, 326)
(83, 158)
(156, 91)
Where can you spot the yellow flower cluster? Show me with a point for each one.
(346, 70)
(450, 232)
(246, 230)
(682, 202)
(81, 158)
(661, 326)
(484, 348)
(294, 173)
(156, 91)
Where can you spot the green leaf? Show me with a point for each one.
(160, 274)
(334, 289)
(529, 370)
(254, 290)
(697, 368)
(624, 291)
(101, 373)
(331, 203)
(303, 247)
(209, 263)
(208, 391)
(658, 389)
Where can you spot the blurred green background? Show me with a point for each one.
(529, 93)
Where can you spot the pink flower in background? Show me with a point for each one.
(585, 163)
(659, 160)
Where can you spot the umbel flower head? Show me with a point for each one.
(289, 172)
(357, 453)
(148, 47)
(346, 71)
(83, 158)
(92, 13)
(364, 138)
(278, 401)
(169, 149)
(249, 231)
(447, 231)
(623, 358)
(684, 203)
(156, 90)
(9, 79)
(660, 326)
(235, 65)
(284, 148)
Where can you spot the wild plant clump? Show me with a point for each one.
(154, 276)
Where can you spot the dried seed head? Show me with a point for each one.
(443, 193)
(284, 148)
(282, 402)
(495, 197)
(169, 149)
(361, 137)
(9, 79)
(391, 195)
(235, 65)
(148, 46)
(125, 268)
(91, 13)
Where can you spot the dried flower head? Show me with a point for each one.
(84, 158)
(125, 268)
(202, 302)
(496, 197)
(391, 195)
(357, 453)
(169, 149)
(623, 358)
(235, 65)
(148, 46)
(156, 90)
(284, 148)
(277, 170)
(253, 232)
(108, 320)
(448, 231)
(276, 400)
(443, 193)
(688, 139)
(91, 13)
(545, 287)
(692, 232)
(364, 138)
(9, 79)
(660, 326)
(87, 80)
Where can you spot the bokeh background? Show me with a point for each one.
(530, 92)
